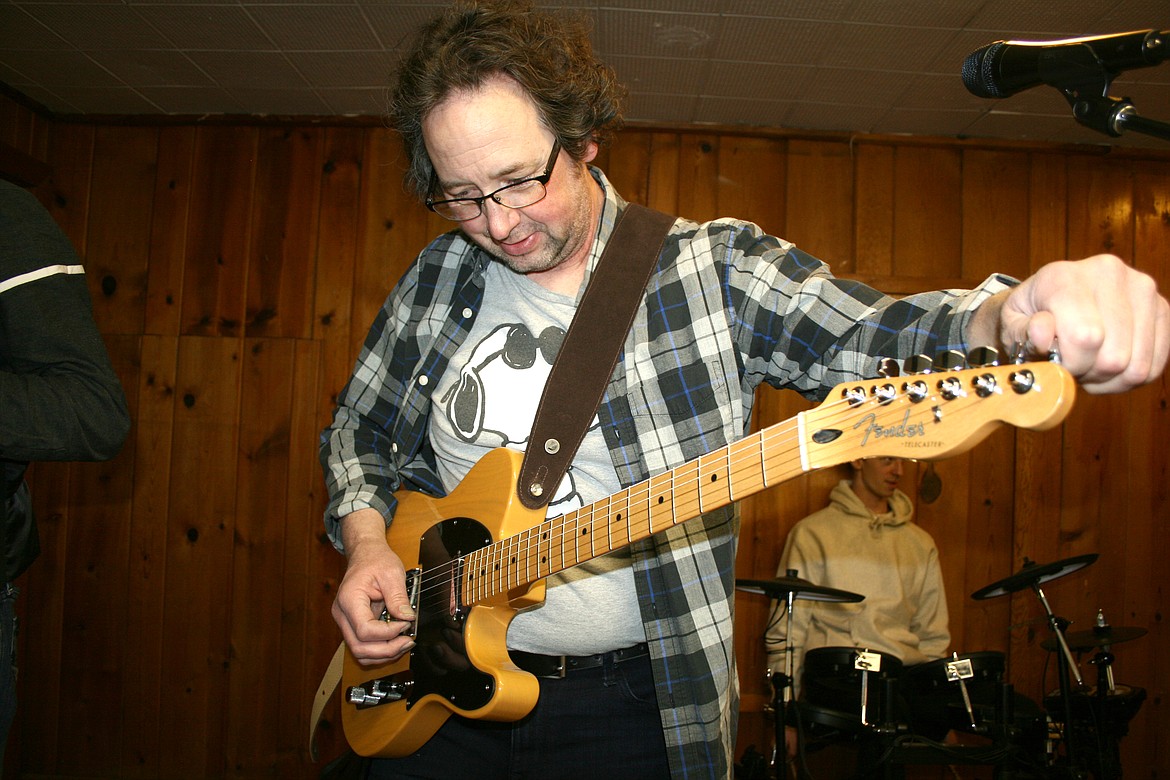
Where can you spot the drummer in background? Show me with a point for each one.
(864, 542)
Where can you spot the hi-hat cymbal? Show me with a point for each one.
(780, 587)
(1034, 574)
(1101, 636)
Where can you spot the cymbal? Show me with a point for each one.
(780, 587)
(1096, 637)
(1034, 574)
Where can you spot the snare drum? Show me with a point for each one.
(934, 692)
(842, 687)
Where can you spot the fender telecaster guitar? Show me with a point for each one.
(477, 556)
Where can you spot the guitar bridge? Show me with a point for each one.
(413, 588)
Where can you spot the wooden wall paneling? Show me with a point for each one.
(118, 242)
(257, 608)
(41, 610)
(391, 232)
(336, 328)
(285, 213)
(66, 193)
(168, 230)
(309, 578)
(15, 124)
(873, 192)
(927, 213)
(820, 201)
(216, 253)
(1048, 206)
(1038, 454)
(1102, 221)
(143, 654)
(752, 175)
(665, 156)
(1147, 506)
(200, 544)
(626, 163)
(995, 197)
(337, 238)
(948, 522)
(94, 594)
(698, 177)
(989, 524)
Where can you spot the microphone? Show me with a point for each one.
(1003, 68)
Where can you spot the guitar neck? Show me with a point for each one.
(709, 482)
(918, 416)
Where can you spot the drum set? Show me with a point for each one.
(892, 716)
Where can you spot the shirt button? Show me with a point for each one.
(424, 380)
(394, 448)
(467, 313)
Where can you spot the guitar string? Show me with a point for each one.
(496, 572)
(746, 455)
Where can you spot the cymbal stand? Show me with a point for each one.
(1065, 664)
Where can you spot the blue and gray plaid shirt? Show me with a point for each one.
(728, 307)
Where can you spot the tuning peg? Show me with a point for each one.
(888, 367)
(951, 360)
(981, 357)
(918, 364)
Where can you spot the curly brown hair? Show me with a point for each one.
(550, 56)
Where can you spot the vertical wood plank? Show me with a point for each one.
(820, 201)
(201, 525)
(256, 607)
(217, 245)
(66, 193)
(698, 177)
(121, 198)
(627, 165)
(663, 192)
(285, 215)
(168, 231)
(143, 663)
(752, 176)
(307, 635)
(94, 592)
(927, 217)
(873, 231)
(995, 196)
(392, 231)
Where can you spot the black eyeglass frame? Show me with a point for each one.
(479, 201)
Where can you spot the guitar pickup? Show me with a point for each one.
(381, 690)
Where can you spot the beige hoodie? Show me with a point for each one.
(887, 559)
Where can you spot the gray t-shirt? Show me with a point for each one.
(487, 399)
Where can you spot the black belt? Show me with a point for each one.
(557, 666)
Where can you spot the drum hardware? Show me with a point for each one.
(960, 671)
(786, 590)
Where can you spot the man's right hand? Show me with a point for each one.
(374, 581)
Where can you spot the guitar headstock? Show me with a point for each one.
(934, 413)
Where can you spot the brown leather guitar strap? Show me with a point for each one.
(590, 351)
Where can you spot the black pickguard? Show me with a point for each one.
(438, 661)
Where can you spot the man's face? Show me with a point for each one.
(878, 476)
(486, 139)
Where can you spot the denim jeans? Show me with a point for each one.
(593, 723)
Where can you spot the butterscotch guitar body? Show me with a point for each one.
(460, 662)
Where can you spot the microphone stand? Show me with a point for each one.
(1112, 116)
(1094, 108)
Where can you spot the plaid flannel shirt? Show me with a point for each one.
(728, 307)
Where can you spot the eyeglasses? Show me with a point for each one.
(514, 196)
